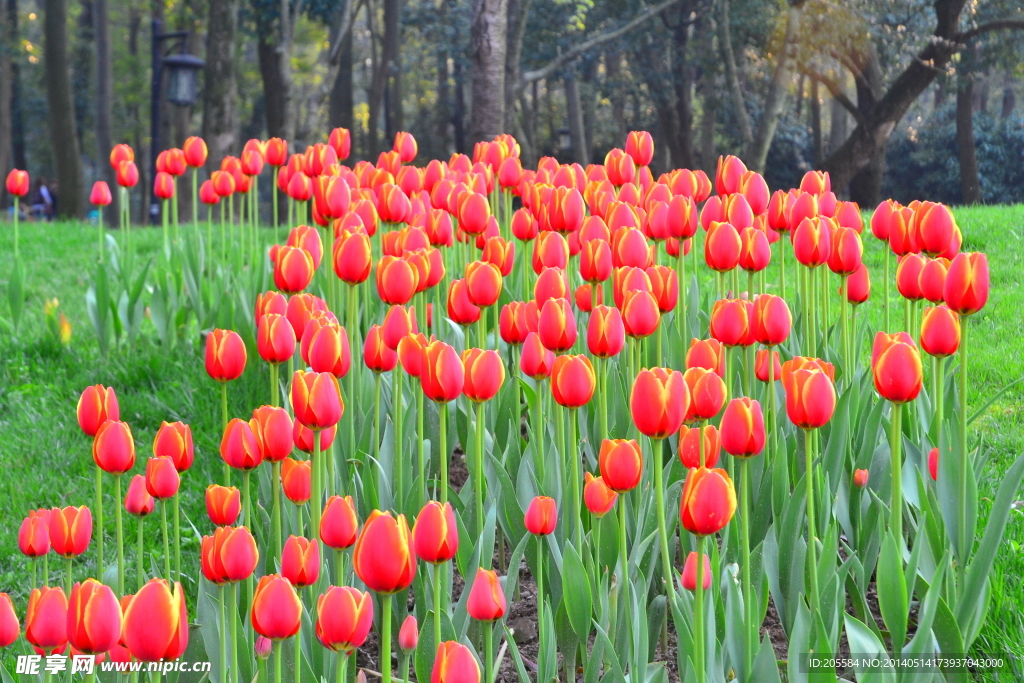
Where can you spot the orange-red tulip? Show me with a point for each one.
(18, 183)
(860, 478)
(512, 323)
(658, 402)
(572, 381)
(316, 399)
(595, 261)
(557, 325)
(96, 405)
(344, 616)
(483, 283)
(293, 269)
(690, 446)
(622, 464)
(46, 621)
(9, 626)
(722, 247)
(127, 174)
(296, 476)
(223, 503)
(640, 147)
(742, 428)
(484, 374)
(486, 598)
(225, 355)
(352, 257)
(195, 151)
(967, 283)
(382, 558)
(708, 501)
(708, 393)
(896, 366)
(755, 251)
(272, 427)
(640, 313)
(706, 353)
(155, 623)
(339, 524)
(276, 609)
(409, 635)
(275, 338)
(772, 320)
(239, 447)
(536, 361)
(300, 561)
(461, 309)
(443, 376)
(689, 575)
(455, 663)
(34, 535)
(174, 440)
(137, 501)
(733, 322)
(597, 496)
(940, 331)
(541, 516)
(70, 530)
(113, 448)
(761, 365)
(162, 479)
(229, 555)
(435, 535)
(847, 251)
(606, 333)
(100, 194)
(810, 393)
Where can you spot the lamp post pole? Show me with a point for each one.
(156, 95)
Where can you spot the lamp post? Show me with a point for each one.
(182, 90)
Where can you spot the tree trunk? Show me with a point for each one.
(776, 97)
(442, 117)
(219, 126)
(268, 55)
(873, 134)
(1009, 96)
(613, 75)
(815, 113)
(378, 83)
(710, 94)
(573, 110)
(392, 58)
(7, 40)
(837, 127)
(800, 96)
(459, 110)
(965, 140)
(682, 80)
(284, 64)
(487, 48)
(340, 103)
(104, 97)
(588, 96)
(60, 99)
(732, 76)
(518, 13)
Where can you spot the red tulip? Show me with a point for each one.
(34, 535)
(382, 558)
(732, 322)
(622, 464)
(96, 405)
(9, 626)
(223, 503)
(484, 374)
(316, 399)
(46, 621)
(272, 427)
(541, 516)
(847, 251)
(658, 402)
(339, 524)
(722, 247)
(812, 241)
(706, 353)
(162, 478)
(761, 365)
(536, 361)
(229, 555)
(486, 598)
(296, 476)
(755, 251)
(18, 183)
(742, 428)
(933, 464)
(409, 635)
(572, 381)
(707, 393)
(860, 478)
(859, 286)
(690, 446)
(239, 447)
(772, 320)
(70, 530)
(100, 194)
(138, 501)
(443, 376)
(300, 561)
(597, 496)
(708, 501)
(606, 334)
(896, 366)
(225, 355)
(512, 323)
(435, 535)
(454, 663)
(557, 325)
(127, 174)
(967, 283)
(595, 261)
(174, 440)
(689, 575)
(810, 393)
(195, 151)
(155, 624)
(640, 314)
(276, 609)
(940, 331)
(344, 618)
(113, 448)
(293, 269)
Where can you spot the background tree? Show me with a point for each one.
(63, 127)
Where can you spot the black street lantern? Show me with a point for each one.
(182, 78)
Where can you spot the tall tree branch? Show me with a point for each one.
(598, 40)
(837, 93)
(997, 25)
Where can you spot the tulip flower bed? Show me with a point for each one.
(641, 414)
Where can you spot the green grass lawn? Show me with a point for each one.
(46, 459)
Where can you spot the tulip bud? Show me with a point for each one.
(606, 334)
(174, 440)
(46, 620)
(536, 360)
(541, 516)
(847, 252)
(18, 183)
(707, 394)
(316, 399)
(382, 558)
(896, 366)
(771, 321)
(512, 323)
(272, 427)
(933, 464)
(96, 405)
(761, 369)
(732, 322)
(300, 561)
(162, 478)
(344, 618)
(9, 626)
(597, 496)
(640, 314)
(339, 524)
(113, 448)
(34, 535)
(810, 392)
(225, 355)
(722, 247)
(484, 374)
(435, 535)
(454, 663)
(295, 480)
(940, 331)
(689, 575)
(967, 283)
(486, 598)
(572, 381)
(691, 448)
(443, 376)
(409, 635)
(70, 530)
(276, 609)
(461, 309)
(742, 428)
(621, 463)
(708, 501)
(860, 478)
(707, 354)
(223, 503)
(138, 500)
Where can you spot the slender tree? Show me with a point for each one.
(219, 117)
(59, 97)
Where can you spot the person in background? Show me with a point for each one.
(42, 200)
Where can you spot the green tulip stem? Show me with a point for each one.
(488, 651)
(385, 637)
(376, 415)
(273, 193)
(437, 606)
(99, 222)
(478, 479)
(316, 508)
(540, 591)
(298, 654)
(46, 569)
(938, 370)
(275, 487)
(681, 322)
(658, 339)
(177, 539)
(224, 426)
(962, 480)
(421, 456)
(442, 453)
(577, 476)
(32, 566)
(67, 575)
(274, 387)
(163, 219)
(560, 436)
(623, 554)
(120, 535)
(195, 196)
(895, 449)
(698, 614)
(812, 536)
(885, 301)
(99, 522)
(17, 210)
(748, 594)
(223, 628)
(140, 573)
(233, 623)
(844, 309)
(772, 408)
(659, 501)
(342, 674)
(397, 400)
(167, 542)
(782, 267)
(339, 566)
(603, 396)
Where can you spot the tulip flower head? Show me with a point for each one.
(276, 609)
(162, 479)
(597, 496)
(94, 618)
(70, 530)
(572, 381)
(860, 478)
(691, 448)
(689, 575)
(339, 524)
(382, 558)
(174, 440)
(659, 401)
(940, 331)
(486, 598)
(138, 500)
(541, 516)
(9, 626)
(96, 405)
(409, 635)
(223, 504)
(300, 561)
(34, 534)
(435, 534)
(454, 663)
(484, 374)
(967, 283)
(155, 624)
(896, 366)
(708, 501)
(296, 476)
(239, 447)
(344, 618)
(742, 428)
(810, 392)
(113, 448)
(622, 464)
(46, 620)
(225, 355)
(316, 399)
